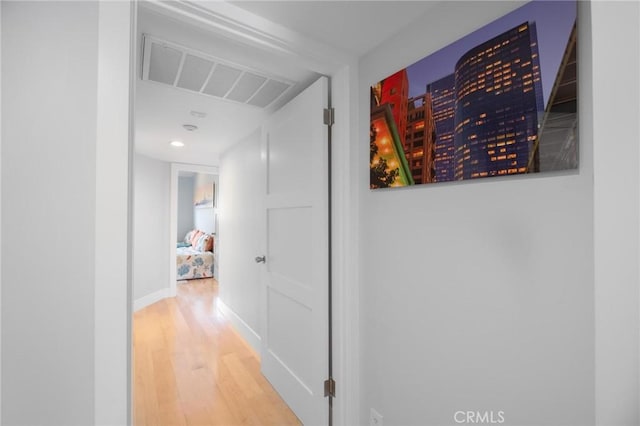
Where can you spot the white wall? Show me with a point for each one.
(616, 67)
(185, 206)
(204, 219)
(65, 179)
(151, 222)
(239, 235)
(49, 82)
(478, 296)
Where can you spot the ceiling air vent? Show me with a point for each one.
(187, 69)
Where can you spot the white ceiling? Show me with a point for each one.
(162, 110)
(354, 26)
(297, 40)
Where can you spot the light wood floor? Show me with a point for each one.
(191, 368)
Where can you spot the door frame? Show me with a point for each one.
(176, 168)
(346, 262)
(115, 120)
(342, 68)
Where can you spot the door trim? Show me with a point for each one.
(115, 120)
(231, 21)
(343, 70)
(345, 248)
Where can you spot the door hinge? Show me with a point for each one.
(330, 388)
(329, 116)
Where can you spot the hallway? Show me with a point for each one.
(191, 367)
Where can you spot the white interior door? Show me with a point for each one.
(294, 290)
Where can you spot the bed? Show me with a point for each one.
(194, 256)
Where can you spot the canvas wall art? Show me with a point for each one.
(204, 191)
(500, 101)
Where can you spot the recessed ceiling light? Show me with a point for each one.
(190, 127)
(177, 144)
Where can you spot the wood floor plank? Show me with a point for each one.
(192, 369)
(242, 376)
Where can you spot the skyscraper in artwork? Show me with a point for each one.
(557, 144)
(443, 100)
(420, 138)
(498, 102)
(389, 102)
(394, 92)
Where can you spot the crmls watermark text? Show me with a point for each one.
(479, 417)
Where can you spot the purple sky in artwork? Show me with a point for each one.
(554, 21)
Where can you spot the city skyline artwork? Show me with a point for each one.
(499, 101)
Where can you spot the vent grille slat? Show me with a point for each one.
(163, 63)
(268, 93)
(194, 72)
(248, 84)
(222, 80)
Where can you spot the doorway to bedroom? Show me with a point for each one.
(196, 225)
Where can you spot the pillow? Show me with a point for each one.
(182, 244)
(213, 243)
(210, 243)
(187, 238)
(195, 236)
(201, 242)
(204, 243)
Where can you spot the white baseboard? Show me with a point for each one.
(247, 333)
(149, 299)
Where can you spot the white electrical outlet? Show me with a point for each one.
(375, 418)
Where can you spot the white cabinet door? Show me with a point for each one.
(294, 291)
